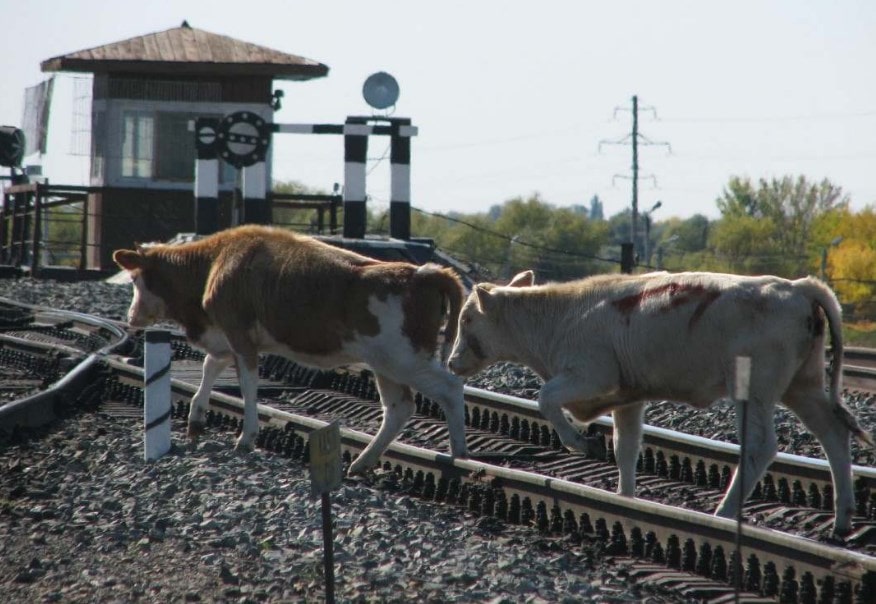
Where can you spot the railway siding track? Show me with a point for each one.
(61, 351)
(688, 550)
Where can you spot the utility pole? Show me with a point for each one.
(634, 226)
(634, 140)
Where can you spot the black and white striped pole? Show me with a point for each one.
(242, 139)
(355, 154)
(256, 209)
(400, 179)
(156, 396)
(206, 176)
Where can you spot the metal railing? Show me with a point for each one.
(46, 225)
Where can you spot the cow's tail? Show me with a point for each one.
(827, 300)
(452, 292)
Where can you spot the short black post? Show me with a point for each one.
(328, 548)
(325, 476)
(628, 259)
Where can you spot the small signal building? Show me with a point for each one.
(146, 90)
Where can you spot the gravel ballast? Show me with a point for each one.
(84, 519)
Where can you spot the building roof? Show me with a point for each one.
(186, 50)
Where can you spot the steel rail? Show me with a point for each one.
(687, 447)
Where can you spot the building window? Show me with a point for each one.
(137, 145)
(160, 146)
(174, 147)
(98, 144)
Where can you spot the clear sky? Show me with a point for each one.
(513, 98)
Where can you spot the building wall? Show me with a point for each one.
(122, 218)
(166, 206)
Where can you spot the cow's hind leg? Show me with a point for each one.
(627, 440)
(760, 449)
(825, 421)
(214, 365)
(248, 376)
(398, 406)
(438, 384)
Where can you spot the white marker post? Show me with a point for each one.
(325, 476)
(740, 394)
(156, 407)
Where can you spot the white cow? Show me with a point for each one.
(612, 342)
(256, 289)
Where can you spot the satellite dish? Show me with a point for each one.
(380, 90)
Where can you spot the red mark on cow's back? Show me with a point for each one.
(675, 295)
(708, 296)
(628, 304)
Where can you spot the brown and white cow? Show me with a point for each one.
(612, 342)
(255, 289)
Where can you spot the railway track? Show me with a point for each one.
(53, 358)
(520, 474)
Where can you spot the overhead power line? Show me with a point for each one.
(515, 240)
(767, 119)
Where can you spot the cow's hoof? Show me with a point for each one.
(194, 431)
(360, 468)
(243, 448)
(595, 447)
(839, 535)
(592, 447)
(464, 454)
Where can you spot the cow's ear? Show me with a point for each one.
(524, 279)
(484, 298)
(128, 259)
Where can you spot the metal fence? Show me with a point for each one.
(46, 226)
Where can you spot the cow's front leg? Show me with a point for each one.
(579, 396)
(213, 366)
(248, 376)
(628, 421)
(398, 406)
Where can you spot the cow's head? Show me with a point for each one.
(146, 307)
(479, 329)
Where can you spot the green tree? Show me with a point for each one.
(301, 219)
(688, 235)
(63, 234)
(777, 217)
(682, 244)
(743, 244)
(559, 243)
(473, 241)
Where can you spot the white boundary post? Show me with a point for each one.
(741, 391)
(156, 404)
